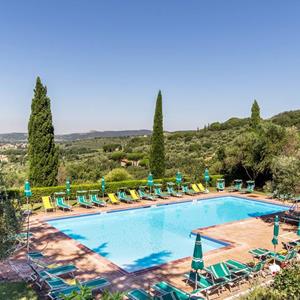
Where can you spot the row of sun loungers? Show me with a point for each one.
(121, 196)
(49, 275)
(229, 274)
(213, 279)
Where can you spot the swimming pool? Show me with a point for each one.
(136, 239)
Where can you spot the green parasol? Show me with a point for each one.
(298, 231)
(28, 194)
(178, 179)
(27, 189)
(150, 181)
(68, 187)
(275, 234)
(206, 179)
(197, 261)
(103, 186)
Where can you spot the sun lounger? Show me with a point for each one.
(195, 188)
(113, 199)
(159, 193)
(259, 253)
(201, 187)
(221, 274)
(81, 199)
(93, 284)
(35, 256)
(165, 288)
(134, 195)
(171, 192)
(250, 187)
(237, 185)
(42, 272)
(144, 195)
(292, 244)
(203, 284)
(60, 201)
(187, 191)
(123, 197)
(220, 185)
(139, 294)
(244, 270)
(290, 256)
(47, 203)
(94, 199)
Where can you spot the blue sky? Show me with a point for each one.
(104, 61)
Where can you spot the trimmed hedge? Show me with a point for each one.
(38, 192)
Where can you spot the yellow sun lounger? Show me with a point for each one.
(195, 188)
(47, 203)
(134, 195)
(201, 187)
(113, 199)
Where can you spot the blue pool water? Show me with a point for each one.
(141, 238)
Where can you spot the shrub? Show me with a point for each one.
(288, 282)
(118, 174)
(118, 155)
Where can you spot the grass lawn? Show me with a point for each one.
(17, 291)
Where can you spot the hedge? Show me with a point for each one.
(38, 192)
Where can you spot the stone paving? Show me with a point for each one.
(242, 236)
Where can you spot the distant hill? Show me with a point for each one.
(22, 137)
(98, 134)
(287, 119)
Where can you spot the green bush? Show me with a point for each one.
(118, 174)
(285, 286)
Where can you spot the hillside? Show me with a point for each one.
(22, 137)
(87, 157)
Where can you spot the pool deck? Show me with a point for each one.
(242, 236)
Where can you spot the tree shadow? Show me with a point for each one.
(74, 236)
(100, 249)
(151, 260)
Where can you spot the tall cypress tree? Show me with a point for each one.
(157, 151)
(255, 115)
(42, 151)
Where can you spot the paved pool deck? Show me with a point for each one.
(242, 236)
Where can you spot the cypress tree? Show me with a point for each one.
(255, 115)
(42, 151)
(157, 151)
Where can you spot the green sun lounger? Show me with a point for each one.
(220, 185)
(167, 296)
(60, 201)
(259, 253)
(171, 191)
(93, 284)
(123, 197)
(250, 187)
(185, 189)
(35, 255)
(95, 199)
(139, 294)
(57, 271)
(221, 274)
(237, 185)
(145, 195)
(204, 284)
(164, 288)
(81, 199)
(292, 244)
(243, 269)
(291, 255)
(159, 193)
